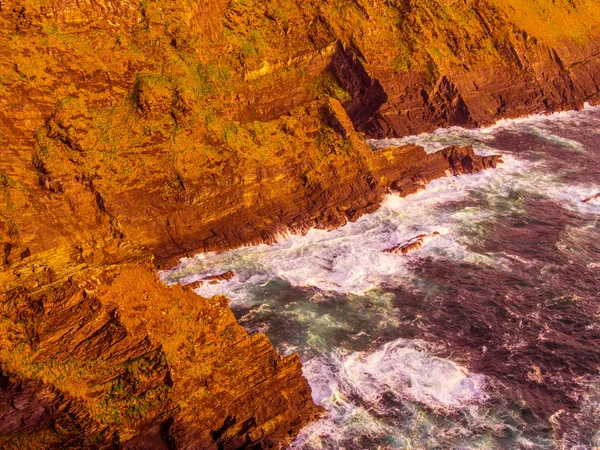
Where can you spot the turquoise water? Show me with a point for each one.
(487, 337)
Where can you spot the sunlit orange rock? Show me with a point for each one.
(134, 132)
(212, 279)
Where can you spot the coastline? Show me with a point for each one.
(203, 137)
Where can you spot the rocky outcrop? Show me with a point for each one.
(138, 130)
(114, 357)
(212, 279)
(404, 248)
(407, 170)
(469, 63)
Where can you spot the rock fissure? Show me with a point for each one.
(138, 133)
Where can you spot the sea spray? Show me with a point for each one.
(350, 259)
(486, 337)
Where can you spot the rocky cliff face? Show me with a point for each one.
(114, 357)
(470, 63)
(133, 131)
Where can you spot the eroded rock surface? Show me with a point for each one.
(137, 130)
(212, 279)
(404, 248)
(114, 356)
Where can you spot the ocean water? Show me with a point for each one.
(488, 337)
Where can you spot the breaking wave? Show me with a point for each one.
(484, 338)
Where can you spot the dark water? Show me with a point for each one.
(487, 337)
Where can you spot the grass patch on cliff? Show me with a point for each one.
(327, 85)
(403, 61)
(39, 439)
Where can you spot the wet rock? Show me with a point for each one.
(412, 245)
(212, 279)
(592, 198)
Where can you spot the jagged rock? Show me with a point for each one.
(412, 244)
(118, 354)
(154, 97)
(212, 279)
(407, 170)
(592, 198)
(201, 126)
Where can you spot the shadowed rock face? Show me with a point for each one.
(138, 130)
(115, 356)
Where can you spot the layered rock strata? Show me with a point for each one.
(137, 130)
(114, 357)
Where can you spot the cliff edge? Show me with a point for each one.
(135, 133)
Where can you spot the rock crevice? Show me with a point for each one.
(136, 133)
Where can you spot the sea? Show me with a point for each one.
(487, 337)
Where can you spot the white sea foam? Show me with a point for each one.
(538, 124)
(351, 259)
(440, 139)
(562, 117)
(557, 140)
(357, 388)
(406, 370)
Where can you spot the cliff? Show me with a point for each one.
(114, 357)
(145, 131)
